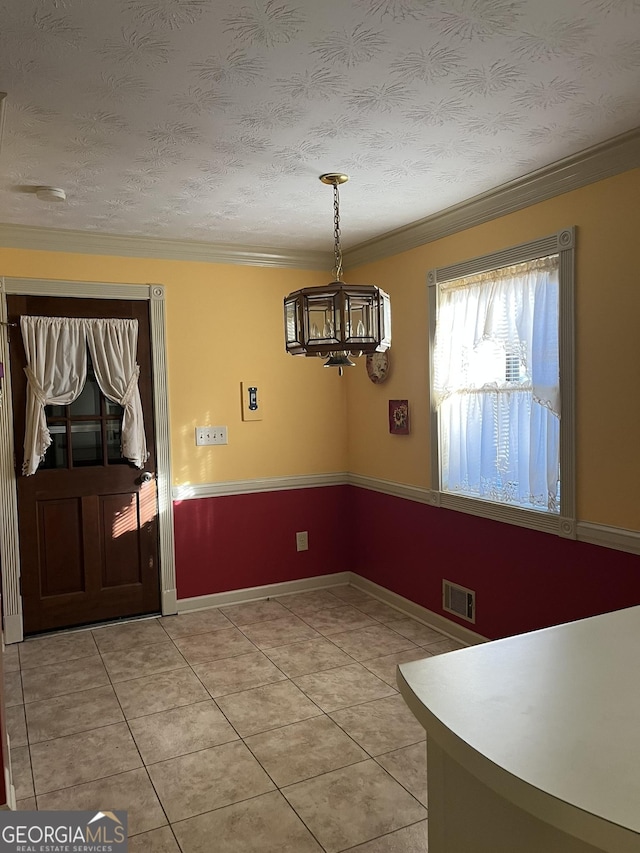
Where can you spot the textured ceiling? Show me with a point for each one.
(212, 119)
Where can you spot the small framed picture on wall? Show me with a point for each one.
(399, 417)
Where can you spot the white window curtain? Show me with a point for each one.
(56, 351)
(113, 345)
(56, 371)
(497, 385)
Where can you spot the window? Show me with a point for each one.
(501, 367)
(82, 431)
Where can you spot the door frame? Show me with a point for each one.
(9, 540)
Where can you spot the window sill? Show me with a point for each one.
(533, 519)
(547, 522)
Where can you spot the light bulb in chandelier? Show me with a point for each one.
(339, 360)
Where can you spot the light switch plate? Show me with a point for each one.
(251, 401)
(211, 435)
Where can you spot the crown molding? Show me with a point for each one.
(593, 164)
(90, 243)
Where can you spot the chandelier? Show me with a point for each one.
(337, 321)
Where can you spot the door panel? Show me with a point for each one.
(87, 523)
(60, 557)
(122, 537)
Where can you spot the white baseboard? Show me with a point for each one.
(10, 805)
(13, 628)
(9, 787)
(256, 593)
(416, 611)
(404, 606)
(169, 602)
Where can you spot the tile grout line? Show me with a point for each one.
(397, 781)
(144, 766)
(33, 778)
(384, 835)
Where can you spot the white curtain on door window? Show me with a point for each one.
(113, 345)
(56, 372)
(497, 384)
(56, 349)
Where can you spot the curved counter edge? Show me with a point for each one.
(563, 816)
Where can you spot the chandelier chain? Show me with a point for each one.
(336, 233)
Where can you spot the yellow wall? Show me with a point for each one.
(315, 422)
(607, 216)
(224, 326)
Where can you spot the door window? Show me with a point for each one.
(86, 433)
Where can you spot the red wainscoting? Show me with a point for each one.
(523, 579)
(239, 541)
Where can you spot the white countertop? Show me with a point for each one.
(550, 719)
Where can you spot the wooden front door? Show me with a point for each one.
(87, 517)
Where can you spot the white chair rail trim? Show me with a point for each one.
(266, 484)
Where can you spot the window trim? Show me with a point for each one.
(561, 243)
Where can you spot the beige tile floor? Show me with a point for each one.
(255, 728)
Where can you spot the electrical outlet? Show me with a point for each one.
(211, 435)
(302, 541)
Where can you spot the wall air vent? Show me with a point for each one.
(459, 600)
